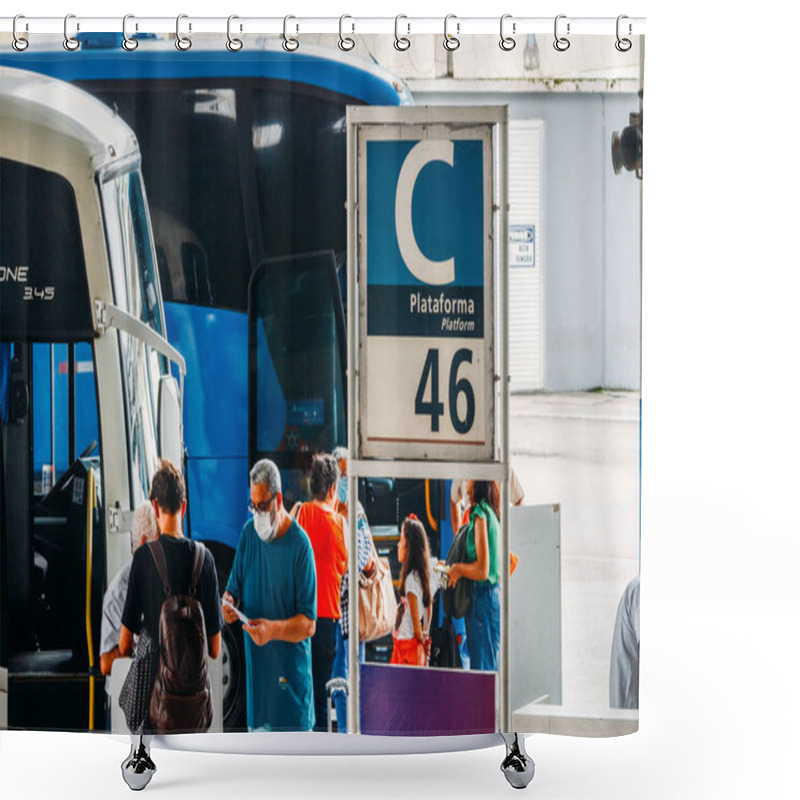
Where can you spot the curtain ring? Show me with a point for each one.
(70, 42)
(623, 45)
(507, 42)
(401, 43)
(128, 42)
(233, 44)
(19, 43)
(182, 42)
(451, 42)
(290, 44)
(345, 42)
(561, 43)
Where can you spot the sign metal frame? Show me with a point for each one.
(489, 461)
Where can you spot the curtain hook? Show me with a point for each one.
(623, 45)
(507, 42)
(233, 44)
(290, 44)
(19, 43)
(451, 42)
(345, 42)
(128, 42)
(70, 42)
(182, 42)
(561, 43)
(401, 43)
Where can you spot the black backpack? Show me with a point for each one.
(455, 602)
(181, 697)
(444, 643)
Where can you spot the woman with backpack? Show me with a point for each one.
(482, 567)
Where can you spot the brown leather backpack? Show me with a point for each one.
(181, 697)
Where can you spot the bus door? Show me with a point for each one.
(51, 445)
(296, 362)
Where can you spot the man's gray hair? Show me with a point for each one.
(340, 453)
(144, 525)
(266, 473)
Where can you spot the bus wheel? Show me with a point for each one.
(234, 701)
(234, 697)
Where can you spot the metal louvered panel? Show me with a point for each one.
(526, 284)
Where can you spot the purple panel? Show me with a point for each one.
(423, 701)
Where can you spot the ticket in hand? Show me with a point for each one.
(239, 614)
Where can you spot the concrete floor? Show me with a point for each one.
(582, 450)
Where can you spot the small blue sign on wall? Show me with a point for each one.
(521, 246)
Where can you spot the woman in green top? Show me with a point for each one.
(483, 568)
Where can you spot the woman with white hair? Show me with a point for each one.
(143, 530)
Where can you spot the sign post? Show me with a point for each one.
(427, 243)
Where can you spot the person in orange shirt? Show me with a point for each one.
(326, 529)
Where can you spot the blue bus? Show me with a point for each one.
(244, 158)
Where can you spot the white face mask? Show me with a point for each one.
(266, 526)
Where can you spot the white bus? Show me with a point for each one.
(79, 297)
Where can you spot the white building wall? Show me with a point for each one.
(526, 283)
(591, 235)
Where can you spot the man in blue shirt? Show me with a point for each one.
(624, 673)
(273, 582)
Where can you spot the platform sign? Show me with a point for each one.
(426, 205)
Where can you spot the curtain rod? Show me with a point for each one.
(346, 25)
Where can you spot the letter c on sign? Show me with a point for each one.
(432, 272)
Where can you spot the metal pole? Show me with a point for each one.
(52, 415)
(502, 236)
(353, 720)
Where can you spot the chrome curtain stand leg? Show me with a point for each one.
(518, 766)
(138, 768)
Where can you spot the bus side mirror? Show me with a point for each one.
(170, 438)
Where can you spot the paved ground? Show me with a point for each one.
(582, 450)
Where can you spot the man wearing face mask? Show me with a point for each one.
(273, 583)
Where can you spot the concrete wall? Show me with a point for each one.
(591, 235)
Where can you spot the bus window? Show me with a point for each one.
(190, 159)
(301, 170)
(296, 356)
(85, 413)
(51, 450)
(131, 253)
(141, 389)
(5, 379)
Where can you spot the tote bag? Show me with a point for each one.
(377, 604)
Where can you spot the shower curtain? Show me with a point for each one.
(177, 226)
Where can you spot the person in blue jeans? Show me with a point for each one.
(364, 564)
(483, 569)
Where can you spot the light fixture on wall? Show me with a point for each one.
(626, 146)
